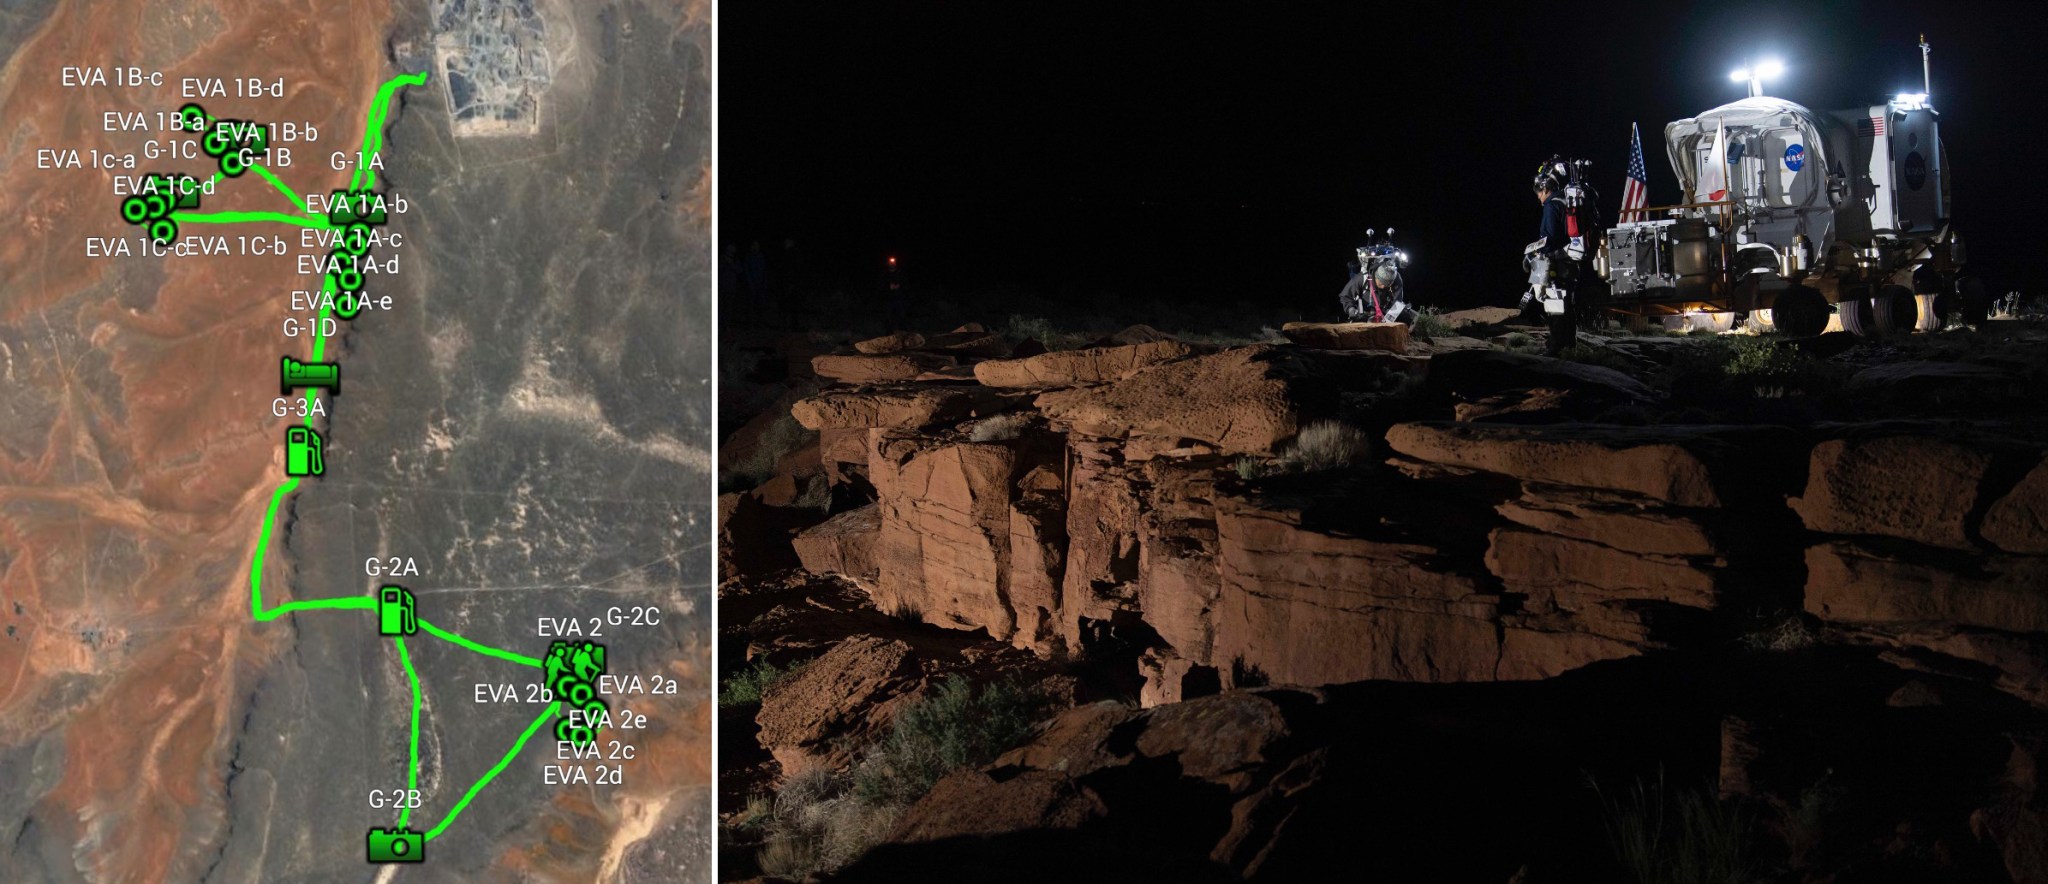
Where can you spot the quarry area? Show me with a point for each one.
(1264, 607)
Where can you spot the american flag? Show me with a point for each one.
(1870, 128)
(1635, 193)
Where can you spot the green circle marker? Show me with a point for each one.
(156, 205)
(231, 164)
(134, 210)
(216, 141)
(355, 238)
(163, 230)
(348, 280)
(348, 304)
(193, 115)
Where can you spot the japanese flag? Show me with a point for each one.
(1714, 176)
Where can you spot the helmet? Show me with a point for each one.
(1550, 175)
(1385, 276)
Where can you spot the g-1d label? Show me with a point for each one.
(593, 627)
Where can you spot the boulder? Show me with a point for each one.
(843, 545)
(854, 368)
(1577, 586)
(1232, 742)
(1389, 336)
(1246, 400)
(943, 550)
(1652, 463)
(1305, 607)
(1068, 368)
(1616, 521)
(1853, 583)
(2018, 521)
(894, 342)
(835, 703)
(906, 407)
(1917, 488)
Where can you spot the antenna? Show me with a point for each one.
(1926, 83)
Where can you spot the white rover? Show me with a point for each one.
(1847, 208)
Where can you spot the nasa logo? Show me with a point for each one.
(1916, 170)
(1795, 157)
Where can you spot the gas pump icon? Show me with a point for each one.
(302, 455)
(394, 612)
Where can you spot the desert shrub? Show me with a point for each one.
(1519, 341)
(1249, 468)
(757, 464)
(816, 495)
(1662, 836)
(1325, 445)
(746, 686)
(1762, 360)
(818, 825)
(1594, 354)
(1001, 428)
(1430, 323)
(957, 725)
(1040, 329)
(1787, 632)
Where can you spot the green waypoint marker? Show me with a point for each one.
(400, 845)
(395, 612)
(345, 206)
(302, 454)
(292, 374)
(347, 304)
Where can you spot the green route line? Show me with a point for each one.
(496, 769)
(364, 178)
(485, 650)
(412, 772)
(239, 217)
(288, 192)
(373, 134)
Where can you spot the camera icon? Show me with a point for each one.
(397, 846)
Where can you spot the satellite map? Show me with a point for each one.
(355, 412)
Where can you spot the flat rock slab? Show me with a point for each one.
(1481, 316)
(1389, 336)
(1070, 368)
(1241, 400)
(906, 407)
(1475, 373)
(1918, 488)
(860, 368)
(1651, 463)
(894, 342)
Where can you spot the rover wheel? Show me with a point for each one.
(1799, 312)
(1895, 311)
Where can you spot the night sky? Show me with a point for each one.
(1156, 151)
